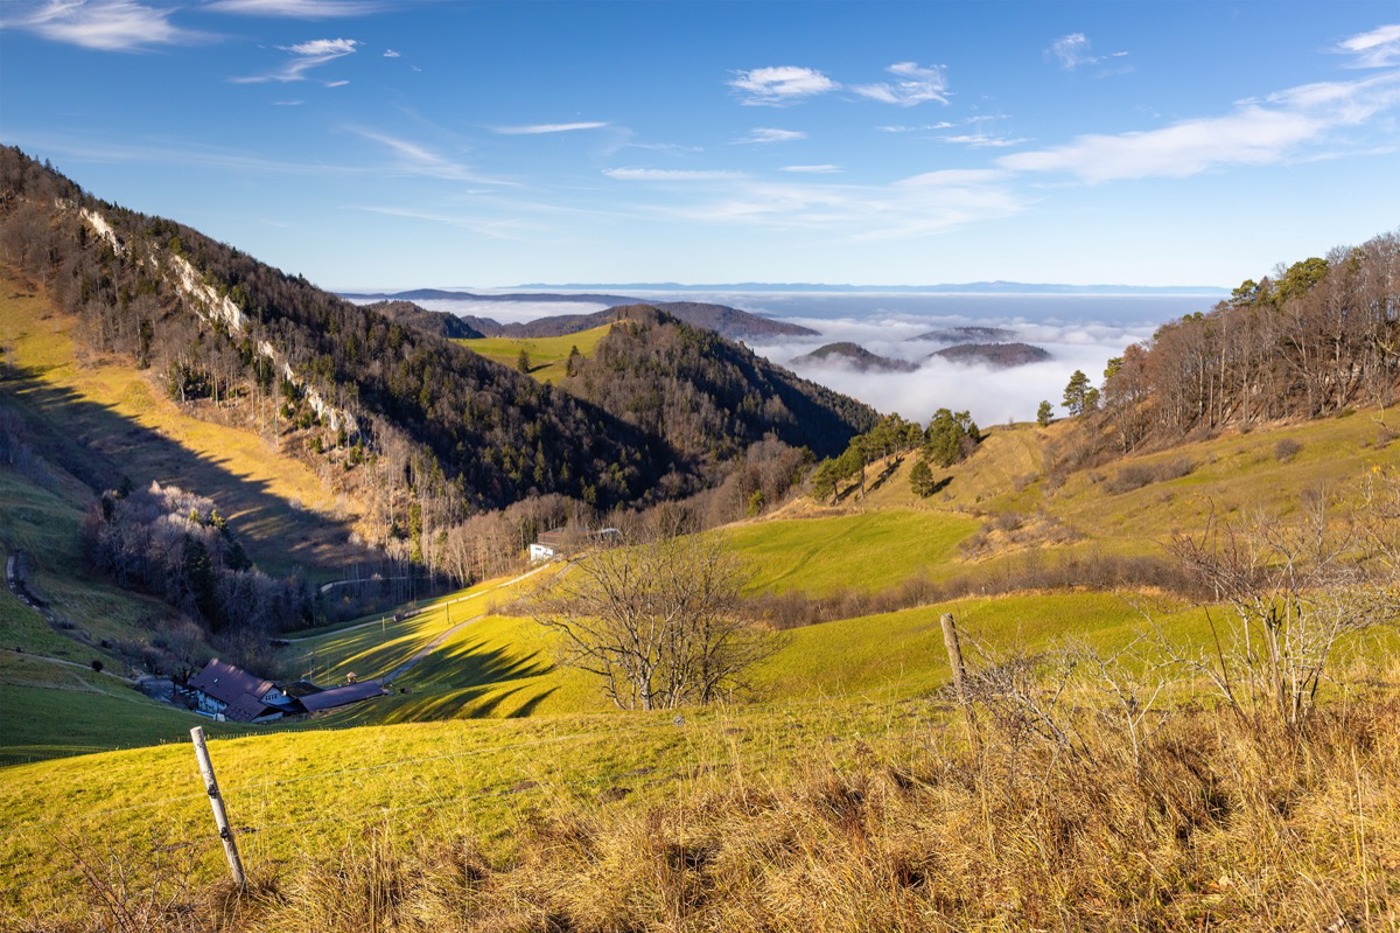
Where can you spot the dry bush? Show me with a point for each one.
(1137, 475)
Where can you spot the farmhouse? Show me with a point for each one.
(549, 545)
(562, 543)
(225, 691)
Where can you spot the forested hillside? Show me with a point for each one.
(708, 397)
(428, 435)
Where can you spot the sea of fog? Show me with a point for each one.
(1079, 331)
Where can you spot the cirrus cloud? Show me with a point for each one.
(669, 174)
(540, 129)
(305, 56)
(297, 9)
(781, 85)
(767, 134)
(1379, 48)
(1277, 129)
(917, 85)
(104, 25)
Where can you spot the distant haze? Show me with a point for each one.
(1080, 331)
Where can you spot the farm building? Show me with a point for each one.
(225, 691)
(562, 543)
(549, 545)
(340, 696)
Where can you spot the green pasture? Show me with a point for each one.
(548, 356)
(867, 551)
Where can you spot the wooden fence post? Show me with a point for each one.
(206, 768)
(955, 661)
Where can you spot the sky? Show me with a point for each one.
(372, 145)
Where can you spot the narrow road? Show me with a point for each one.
(426, 650)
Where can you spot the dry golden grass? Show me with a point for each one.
(1219, 824)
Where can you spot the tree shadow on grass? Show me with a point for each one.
(99, 446)
(470, 680)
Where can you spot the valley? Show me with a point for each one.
(1138, 739)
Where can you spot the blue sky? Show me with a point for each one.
(375, 144)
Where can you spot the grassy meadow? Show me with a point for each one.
(548, 356)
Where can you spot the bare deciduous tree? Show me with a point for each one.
(657, 619)
(1297, 589)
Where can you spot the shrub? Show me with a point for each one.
(1137, 475)
(1286, 449)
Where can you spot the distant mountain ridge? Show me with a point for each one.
(997, 287)
(722, 319)
(996, 355)
(857, 357)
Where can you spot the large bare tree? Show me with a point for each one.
(657, 619)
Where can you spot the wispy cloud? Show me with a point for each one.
(669, 174)
(1379, 48)
(305, 56)
(1076, 51)
(905, 128)
(812, 169)
(781, 85)
(390, 53)
(540, 129)
(492, 229)
(983, 141)
(105, 25)
(297, 9)
(766, 134)
(1072, 51)
(1274, 130)
(916, 85)
(416, 159)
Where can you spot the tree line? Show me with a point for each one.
(176, 546)
(1317, 337)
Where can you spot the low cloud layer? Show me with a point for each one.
(993, 396)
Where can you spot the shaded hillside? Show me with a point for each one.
(996, 355)
(438, 323)
(421, 432)
(223, 326)
(724, 320)
(707, 396)
(856, 357)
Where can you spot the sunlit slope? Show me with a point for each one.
(314, 797)
(547, 357)
(869, 550)
(1133, 505)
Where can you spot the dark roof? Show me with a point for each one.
(552, 538)
(245, 709)
(223, 681)
(339, 696)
